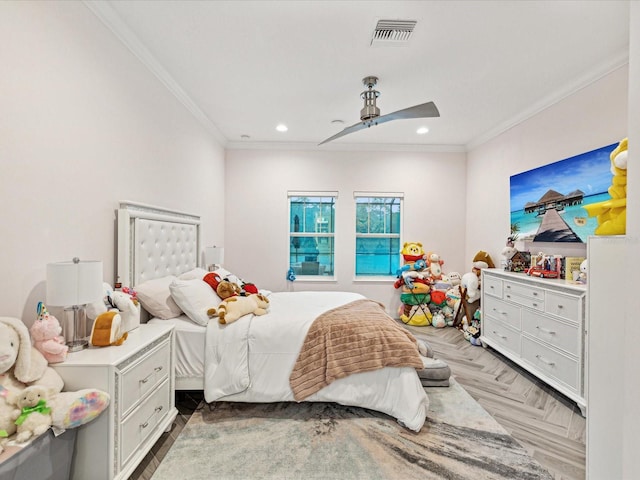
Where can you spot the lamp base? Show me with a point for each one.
(77, 345)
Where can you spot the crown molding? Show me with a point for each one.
(342, 147)
(113, 22)
(613, 64)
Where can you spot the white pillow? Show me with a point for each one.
(155, 297)
(194, 297)
(197, 272)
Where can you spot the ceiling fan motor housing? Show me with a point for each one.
(370, 109)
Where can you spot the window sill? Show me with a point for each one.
(372, 279)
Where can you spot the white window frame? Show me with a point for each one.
(309, 193)
(356, 195)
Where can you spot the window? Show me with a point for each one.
(311, 233)
(378, 227)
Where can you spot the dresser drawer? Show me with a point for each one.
(561, 335)
(142, 377)
(536, 304)
(552, 363)
(492, 286)
(564, 306)
(508, 338)
(527, 291)
(503, 311)
(143, 420)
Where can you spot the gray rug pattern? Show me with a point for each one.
(326, 441)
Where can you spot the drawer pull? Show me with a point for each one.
(535, 294)
(498, 335)
(159, 408)
(144, 425)
(499, 312)
(546, 330)
(544, 360)
(534, 304)
(508, 287)
(560, 307)
(155, 370)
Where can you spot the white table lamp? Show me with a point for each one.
(72, 285)
(213, 257)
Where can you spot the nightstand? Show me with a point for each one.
(138, 375)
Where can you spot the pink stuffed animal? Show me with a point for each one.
(45, 333)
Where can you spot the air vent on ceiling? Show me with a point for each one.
(392, 32)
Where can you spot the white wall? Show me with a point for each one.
(591, 118)
(629, 401)
(256, 230)
(84, 125)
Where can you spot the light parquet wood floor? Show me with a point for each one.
(548, 425)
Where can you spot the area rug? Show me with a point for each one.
(326, 441)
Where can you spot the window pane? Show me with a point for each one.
(312, 253)
(378, 221)
(377, 256)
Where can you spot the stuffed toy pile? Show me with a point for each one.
(23, 366)
(239, 298)
(428, 295)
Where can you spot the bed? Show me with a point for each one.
(250, 360)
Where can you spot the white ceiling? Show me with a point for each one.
(243, 67)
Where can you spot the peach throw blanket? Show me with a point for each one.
(352, 338)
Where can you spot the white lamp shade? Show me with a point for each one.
(70, 283)
(214, 255)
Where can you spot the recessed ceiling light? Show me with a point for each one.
(245, 137)
(337, 121)
(422, 130)
(282, 127)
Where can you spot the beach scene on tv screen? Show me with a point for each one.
(547, 202)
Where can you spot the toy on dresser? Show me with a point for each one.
(45, 333)
(123, 301)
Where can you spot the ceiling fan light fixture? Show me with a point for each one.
(422, 130)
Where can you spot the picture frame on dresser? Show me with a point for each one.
(540, 324)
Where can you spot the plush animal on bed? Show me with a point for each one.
(33, 414)
(45, 333)
(233, 308)
(22, 365)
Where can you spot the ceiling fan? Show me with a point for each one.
(370, 114)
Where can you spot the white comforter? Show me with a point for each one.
(251, 359)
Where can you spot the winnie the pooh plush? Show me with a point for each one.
(612, 214)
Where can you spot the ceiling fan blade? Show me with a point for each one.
(424, 110)
(346, 131)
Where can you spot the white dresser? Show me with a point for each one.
(539, 324)
(138, 375)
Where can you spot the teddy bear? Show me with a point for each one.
(34, 415)
(45, 334)
(22, 365)
(232, 308)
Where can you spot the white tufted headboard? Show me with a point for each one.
(154, 242)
